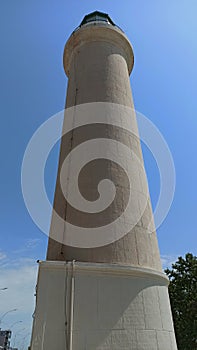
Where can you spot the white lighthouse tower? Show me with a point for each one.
(94, 296)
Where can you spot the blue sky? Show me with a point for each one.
(33, 87)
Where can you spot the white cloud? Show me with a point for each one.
(32, 242)
(168, 260)
(29, 244)
(2, 255)
(19, 276)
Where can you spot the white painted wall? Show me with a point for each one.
(115, 307)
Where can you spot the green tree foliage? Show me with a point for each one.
(183, 297)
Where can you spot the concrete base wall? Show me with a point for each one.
(83, 306)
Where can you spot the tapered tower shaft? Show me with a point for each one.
(101, 287)
(98, 59)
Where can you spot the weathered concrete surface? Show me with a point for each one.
(115, 307)
(98, 60)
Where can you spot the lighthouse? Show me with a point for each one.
(101, 286)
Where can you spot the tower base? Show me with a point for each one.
(86, 306)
